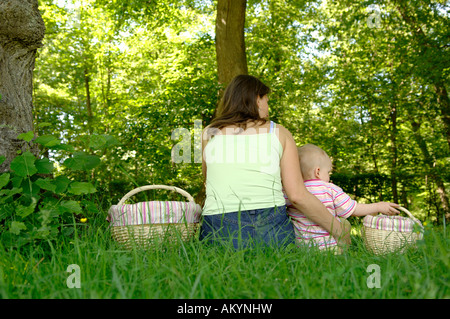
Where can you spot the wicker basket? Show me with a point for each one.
(386, 234)
(149, 224)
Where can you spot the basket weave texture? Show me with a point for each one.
(386, 234)
(146, 224)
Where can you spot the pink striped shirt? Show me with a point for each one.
(337, 202)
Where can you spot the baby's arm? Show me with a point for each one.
(374, 208)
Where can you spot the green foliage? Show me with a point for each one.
(148, 75)
(35, 206)
(375, 187)
(23, 165)
(366, 93)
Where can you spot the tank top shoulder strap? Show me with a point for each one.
(272, 126)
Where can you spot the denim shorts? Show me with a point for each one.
(267, 226)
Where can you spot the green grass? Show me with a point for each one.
(196, 270)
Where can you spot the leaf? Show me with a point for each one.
(64, 147)
(46, 184)
(6, 210)
(2, 159)
(111, 140)
(44, 166)
(4, 180)
(79, 188)
(10, 193)
(29, 189)
(23, 165)
(90, 206)
(82, 162)
(98, 142)
(47, 140)
(17, 181)
(61, 183)
(16, 227)
(44, 124)
(28, 136)
(24, 211)
(71, 206)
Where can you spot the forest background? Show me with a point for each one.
(123, 86)
(98, 97)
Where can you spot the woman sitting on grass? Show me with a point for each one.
(247, 161)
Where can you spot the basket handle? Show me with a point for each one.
(411, 216)
(148, 187)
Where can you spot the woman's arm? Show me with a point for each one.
(299, 196)
(205, 139)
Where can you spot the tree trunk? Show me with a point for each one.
(88, 100)
(394, 153)
(21, 33)
(230, 42)
(444, 102)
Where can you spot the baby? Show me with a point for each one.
(316, 167)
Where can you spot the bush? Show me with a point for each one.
(35, 205)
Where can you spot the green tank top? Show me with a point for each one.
(243, 172)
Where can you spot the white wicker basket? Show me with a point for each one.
(147, 224)
(385, 234)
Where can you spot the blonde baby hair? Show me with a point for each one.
(311, 156)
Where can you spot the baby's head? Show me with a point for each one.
(314, 162)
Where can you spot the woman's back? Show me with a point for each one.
(243, 169)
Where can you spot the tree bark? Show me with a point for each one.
(21, 33)
(394, 153)
(90, 115)
(230, 41)
(444, 102)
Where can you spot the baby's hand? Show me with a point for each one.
(388, 208)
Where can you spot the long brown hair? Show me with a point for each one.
(239, 102)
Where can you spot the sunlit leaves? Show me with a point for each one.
(47, 140)
(151, 69)
(100, 142)
(79, 188)
(28, 136)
